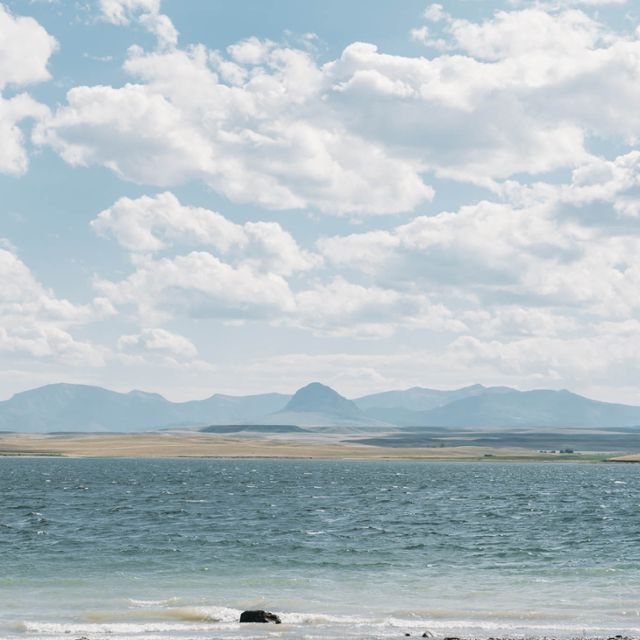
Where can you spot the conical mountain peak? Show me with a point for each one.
(318, 397)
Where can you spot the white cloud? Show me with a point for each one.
(434, 13)
(142, 137)
(513, 321)
(583, 360)
(159, 341)
(150, 224)
(244, 275)
(611, 184)
(199, 285)
(512, 35)
(35, 322)
(251, 51)
(13, 155)
(269, 140)
(469, 114)
(120, 11)
(565, 4)
(420, 34)
(535, 282)
(342, 308)
(147, 13)
(458, 116)
(25, 49)
(493, 253)
(267, 124)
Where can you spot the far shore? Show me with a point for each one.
(203, 445)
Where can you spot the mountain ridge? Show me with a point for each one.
(71, 407)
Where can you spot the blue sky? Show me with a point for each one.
(237, 197)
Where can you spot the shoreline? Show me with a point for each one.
(160, 445)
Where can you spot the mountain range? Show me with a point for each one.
(82, 408)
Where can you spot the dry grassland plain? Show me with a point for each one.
(199, 445)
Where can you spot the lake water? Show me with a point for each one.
(160, 549)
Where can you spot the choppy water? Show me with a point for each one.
(159, 549)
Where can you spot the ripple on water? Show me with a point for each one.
(464, 544)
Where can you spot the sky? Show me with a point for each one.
(203, 196)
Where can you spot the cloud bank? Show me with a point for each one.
(334, 178)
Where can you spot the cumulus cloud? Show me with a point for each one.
(463, 117)
(251, 51)
(495, 254)
(532, 280)
(248, 272)
(513, 321)
(564, 4)
(199, 285)
(342, 308)
(150, 224)
(611, 183)
(35, 322)
(25, 49)
(420, 34)
(517, 34)
(268, 124)
(146, 13)
(158, 341)
(13, 154)
(587, 359)
(434, 13)
(267, 139)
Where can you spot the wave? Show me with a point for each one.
(148, 610)
(150, 620)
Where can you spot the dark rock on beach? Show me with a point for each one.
(259, 616)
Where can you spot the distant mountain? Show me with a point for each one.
(479, 406)
(320, 398)
(417, 398)
(319, 405)
(540, 408)
(225, 409)
(407, 407)
(68, 407)
(71, 407)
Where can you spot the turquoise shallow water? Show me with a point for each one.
(177, 548)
